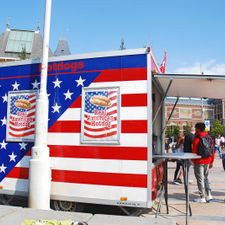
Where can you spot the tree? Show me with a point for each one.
(217, 128)
(23, 54)
(173, 131)
(187, 128)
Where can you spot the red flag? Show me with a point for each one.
(163, 65)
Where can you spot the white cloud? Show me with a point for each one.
(210, 67)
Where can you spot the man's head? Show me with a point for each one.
(200, 127)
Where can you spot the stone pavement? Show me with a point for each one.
(212, 213)
(16, 215)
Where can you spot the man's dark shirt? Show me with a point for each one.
(188, 139)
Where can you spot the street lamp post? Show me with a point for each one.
(40, 171)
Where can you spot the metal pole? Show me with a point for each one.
(39, 171)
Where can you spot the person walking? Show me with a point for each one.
(179, 169)
(202, 165)
(218, 144)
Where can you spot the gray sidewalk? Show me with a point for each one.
(16, 215)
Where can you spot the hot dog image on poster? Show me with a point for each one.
(100, 115)
(21, 116)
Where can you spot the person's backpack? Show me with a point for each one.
(205, 147)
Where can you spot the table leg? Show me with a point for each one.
(165, 181)
(186, 185)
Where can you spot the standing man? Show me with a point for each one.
(202, 165)
(188, 140)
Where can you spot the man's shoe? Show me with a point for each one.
(177, 181)
(209, 198)
(200, 200)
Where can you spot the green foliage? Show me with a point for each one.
(187, 129)
(173, 131)
(217, 128)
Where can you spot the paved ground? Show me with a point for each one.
(203, 213)
(212, 213)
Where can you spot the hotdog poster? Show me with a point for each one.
(100, 119)
(21, 116)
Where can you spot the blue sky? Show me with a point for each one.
(191, 31)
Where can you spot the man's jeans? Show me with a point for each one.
(201, 174)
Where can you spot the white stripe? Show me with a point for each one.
(81, 190)
(134, 139)
(98, 191)
(126, 87)
(94, 165)
(13, 184)
(126, 113)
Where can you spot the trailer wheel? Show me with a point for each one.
(63, 205)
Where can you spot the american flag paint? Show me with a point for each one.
(89, 172)
(21, 122)
(100, 123)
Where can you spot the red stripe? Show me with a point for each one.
(134, 126)
(127, 126)
(76, 103)
(19, 172)
(116, 75)
(101, 135)
(97, 178)
(66, 127)
(81, 177)
(31, 114)
(112, 112)
(99, 152)
(134, 100)
(20, 129)
(21, 135)
(100, 129)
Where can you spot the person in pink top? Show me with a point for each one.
(202, 165)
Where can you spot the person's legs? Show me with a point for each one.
(199, 175)
(176, 171)
(206, 181)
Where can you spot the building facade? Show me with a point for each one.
(188, 112)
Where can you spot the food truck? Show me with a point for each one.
(106, 119)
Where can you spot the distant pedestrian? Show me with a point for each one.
(179, 169)
(202, 165)
(218, 144)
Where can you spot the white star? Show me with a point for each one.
(5, 98)
(57, 83)
(35, 84)
(22, 146)
(80, 82)
(2, 168)
(56, 108)
(3, 121)
(68, 94)
(3, 144)
(12, 157)
(15, 86)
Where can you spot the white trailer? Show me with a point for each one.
(101, 134)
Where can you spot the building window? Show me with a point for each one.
(19, 40)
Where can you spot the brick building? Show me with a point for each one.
(189, 111)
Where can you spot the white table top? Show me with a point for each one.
(180, 155)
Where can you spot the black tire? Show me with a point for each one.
(66, 206)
